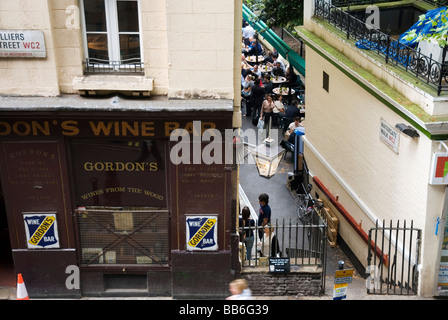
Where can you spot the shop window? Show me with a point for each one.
(131, 237)
(112, 36)
(120, 194)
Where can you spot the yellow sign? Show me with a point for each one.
(343, 273)
(343, 276)
(340, 291)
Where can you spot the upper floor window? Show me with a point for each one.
(112, 40)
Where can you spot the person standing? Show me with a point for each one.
(264, 214)
(247, 233)
(267, 109)
(257, 97)
(248, 32)
(292, 110)
(268, 85)
(269, 245)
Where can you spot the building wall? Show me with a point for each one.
(32, 76)
(188, 47)
(344, 150)
(191, 53)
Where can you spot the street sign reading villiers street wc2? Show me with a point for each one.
(22, 44)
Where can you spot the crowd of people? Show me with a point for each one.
(259, 101)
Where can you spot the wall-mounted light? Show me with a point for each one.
(407, 130)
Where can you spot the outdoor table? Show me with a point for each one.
(253, 59)
(283, 91)
(276, 80)
(265, 68)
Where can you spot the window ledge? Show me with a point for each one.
(96, 84)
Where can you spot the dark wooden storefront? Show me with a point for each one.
(117, 206)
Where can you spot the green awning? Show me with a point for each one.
(283, 49)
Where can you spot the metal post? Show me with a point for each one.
(442, 70)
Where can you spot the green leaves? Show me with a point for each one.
(280, 13)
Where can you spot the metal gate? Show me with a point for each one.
(393, 257)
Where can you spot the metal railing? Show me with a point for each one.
(117, 237)
(98, 66)
(396, 271)
(412, 61)
(304, 244)
(339, 3)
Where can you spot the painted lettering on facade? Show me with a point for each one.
(73, 128)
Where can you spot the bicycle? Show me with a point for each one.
(305, 204)
(309, 210)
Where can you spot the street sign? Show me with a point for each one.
(279, 265)
(341, 280)
(343, 276)
(340, 291)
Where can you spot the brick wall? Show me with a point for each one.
(306, 281)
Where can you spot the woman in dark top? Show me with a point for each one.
(247, 233)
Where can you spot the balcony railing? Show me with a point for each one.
(341, 3)
(412, 61)
(97, 66)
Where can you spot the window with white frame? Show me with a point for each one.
(112, 32)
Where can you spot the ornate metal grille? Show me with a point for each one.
(97, 66)
(412, 61)
(123, 237)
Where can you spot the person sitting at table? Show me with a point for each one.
(244, 63)
(254, 48)
(268, 58)
(277, 70)
(291, 77)
(292, 110)
(276, 58)
(268, 85)
(293, 126)
(279, 110)
(256, 71)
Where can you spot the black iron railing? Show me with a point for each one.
(341, 3)
(93, 66)
(397, 273)
(304, 244)
(412, 61)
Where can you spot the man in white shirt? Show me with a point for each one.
(248, 32)
(276, 58)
